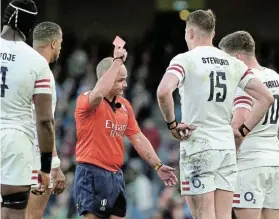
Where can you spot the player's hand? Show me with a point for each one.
(183, 131)
(120, 52)
(59, 181)
(237, 134)
(44, 179)
(167, 175)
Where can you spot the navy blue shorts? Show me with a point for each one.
(99, 191)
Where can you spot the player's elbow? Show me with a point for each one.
(163, 92)
(270, 99)
(46, 125)
(267, 99)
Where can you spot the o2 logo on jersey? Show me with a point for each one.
(197, 183)
(249, 197)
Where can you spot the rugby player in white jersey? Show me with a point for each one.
(207, 79)
(25, 76)
(47, 39)
(257, 190)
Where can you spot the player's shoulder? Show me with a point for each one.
(33, 57)
(181, 56)
(271, 72)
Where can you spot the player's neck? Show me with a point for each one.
(252, 62)
(203, 42)
(44, 52)
(10, 34)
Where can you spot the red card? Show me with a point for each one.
(119, 42)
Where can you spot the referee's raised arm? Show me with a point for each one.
(106, 81)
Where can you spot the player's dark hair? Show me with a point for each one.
(237, 42)
(20, 15)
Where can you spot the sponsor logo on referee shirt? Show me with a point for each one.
(116, 130)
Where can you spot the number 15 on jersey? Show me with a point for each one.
(218, 78)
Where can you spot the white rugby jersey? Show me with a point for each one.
(24, 72)
(208, 81)
(261, 146)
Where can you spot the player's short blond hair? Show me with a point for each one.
(103, 66)
(239, 41)
(204, 19)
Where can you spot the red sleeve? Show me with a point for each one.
(132, 127)
(83, 102)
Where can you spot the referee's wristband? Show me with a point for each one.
(158, 165)
(243, 130)
(172, 125)
(46, 158)
(55, 163)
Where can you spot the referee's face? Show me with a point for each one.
(120, 83)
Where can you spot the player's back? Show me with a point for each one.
(20, 69)
(207, 94)
(261, 146)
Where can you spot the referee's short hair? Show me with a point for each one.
(103, 66)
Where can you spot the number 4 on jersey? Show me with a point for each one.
(4, 71)
(220, 96)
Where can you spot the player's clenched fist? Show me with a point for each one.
(44, 179)
(120, 53)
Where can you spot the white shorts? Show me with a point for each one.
(16, 157)
(207, 171)
(257, 188)
(37, 167)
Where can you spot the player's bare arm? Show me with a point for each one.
(59, 179)
(165, 99)
(45, 130)
(257, 90)
(105, 83)
(240, 115)
(164, 95)
(146, 151)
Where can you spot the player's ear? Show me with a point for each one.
(53, 44)
(191, 33)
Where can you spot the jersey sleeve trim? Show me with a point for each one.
(42, 86)
(249, 71)
(177, 70)
(43, 83)
(243, 102)
(243, 99)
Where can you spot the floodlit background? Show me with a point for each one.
(154, 32)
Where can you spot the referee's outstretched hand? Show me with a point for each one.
(167, 175)
(120, 53)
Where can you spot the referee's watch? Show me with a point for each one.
(243, 130)
(158, 165)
